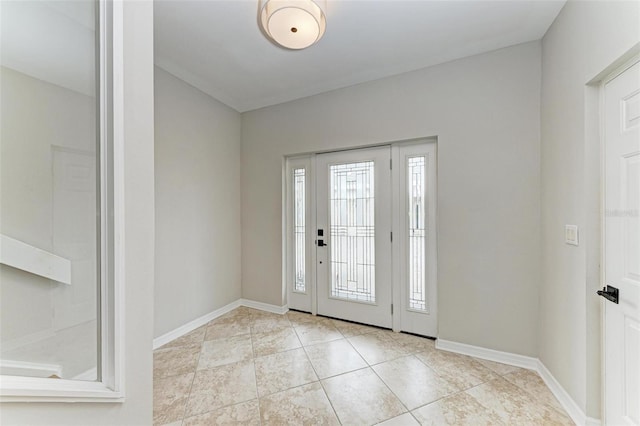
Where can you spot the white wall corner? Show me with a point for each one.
(192, 325)
(264, 306)
(530, 363)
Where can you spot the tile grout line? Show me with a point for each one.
(184, 414)
(432, 369)
(304, 348)
(444, 378)
(370, 366)
(392, 393)
(465, 390)
(255, 375)
(365, 360)
(184, 417)
(335, 413)
(534, 396)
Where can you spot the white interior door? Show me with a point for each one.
(622, 247)
(353, 219)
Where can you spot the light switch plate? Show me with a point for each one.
(571, 234)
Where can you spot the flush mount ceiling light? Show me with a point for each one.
(294, 24)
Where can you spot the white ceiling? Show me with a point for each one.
(217, 46)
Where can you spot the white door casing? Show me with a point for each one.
(621, 112)
(354, 265)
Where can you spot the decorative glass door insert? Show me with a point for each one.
(299, 228)
(352, 231)
(416, 232)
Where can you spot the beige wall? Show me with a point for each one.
(139, 248)
(197, 203)
(485, 112)
(584, 40)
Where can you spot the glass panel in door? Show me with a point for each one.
(353, 231)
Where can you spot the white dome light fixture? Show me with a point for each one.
(294, 24)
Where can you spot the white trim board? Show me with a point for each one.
(29, 369)
(199, 322)
(530, 363)
(570, 406)
(264, 306)
(192, 325)
(34, 260)
(508, 358)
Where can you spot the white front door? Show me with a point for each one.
(622, 247)
(353, 219)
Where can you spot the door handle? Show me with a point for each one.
(321, 243)
(610, 293)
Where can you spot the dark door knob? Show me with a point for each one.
(610, 293)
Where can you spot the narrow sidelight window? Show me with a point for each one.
(299, 228)
(416, 185)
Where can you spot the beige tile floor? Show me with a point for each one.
(255, 368)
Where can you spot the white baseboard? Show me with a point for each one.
(570, 406)
(199, 322)
(264, 306)
(192, 325)
(508, 358)
(29, 369)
